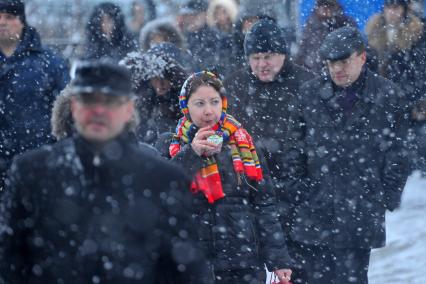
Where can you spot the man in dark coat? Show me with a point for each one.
(348, 163)
(30, 77)
(95, 207)
(259, 96)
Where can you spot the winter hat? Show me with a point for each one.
(14, 7)
(265, 36)
(341, 43)
(101, 76)
(194, 7)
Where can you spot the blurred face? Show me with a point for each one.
(345, 72)
(325, 12)
(11, 27)
(248, 23)
(205, 106)
(222, 17)
(394, 14)
(107, 26)
(266, 66)
(99, 117)
(161, 86)
(191, 22)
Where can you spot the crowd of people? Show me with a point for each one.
(199, 149)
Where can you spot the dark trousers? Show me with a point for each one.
(241, 276)
(325, 265)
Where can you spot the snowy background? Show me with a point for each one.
(403, 260)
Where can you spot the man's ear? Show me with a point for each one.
(130, 109)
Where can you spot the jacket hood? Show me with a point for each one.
(31, 41)
(407, 35)
(94, 30)
(230, 6)
(154, 63)
(164, 27)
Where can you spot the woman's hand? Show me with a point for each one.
(201, 146)
(284, 275)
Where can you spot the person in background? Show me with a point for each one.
(158, 31)
(399, 37)
(260, 96)
(107, 35)
(393, 33)
(222, 14)
(327, 16)
(30, 78)
(94, 207)
(417, 136)
(142, 11)
(157, 77)
(234, 204)
(202, 41)
(348, 162)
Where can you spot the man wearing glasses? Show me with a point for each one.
(349, 165)
(96, 208)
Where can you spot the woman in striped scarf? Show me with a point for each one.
(234, 203)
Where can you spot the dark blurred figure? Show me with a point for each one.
(107, 34)
(142, 12)
(347, 163)
(158, 31)
(328, 15)
(30, 78)
(399, 38)
(203, 42)
(417, 137)
(157, 78)
(94, 207)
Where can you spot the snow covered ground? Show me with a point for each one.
(403, 260)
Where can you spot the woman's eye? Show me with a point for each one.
(215, 102)
(199, 104)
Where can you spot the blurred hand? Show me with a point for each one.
(201, 146)
(284, 275)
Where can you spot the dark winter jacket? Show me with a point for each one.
(314, 32)
(263, 108)
(204, 46)
(97, 45)
(241, 230)
(29, 81)
(71, 214)
(406, 68)
(416, 141)
(347, 168)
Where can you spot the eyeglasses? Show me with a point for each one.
(107, 101)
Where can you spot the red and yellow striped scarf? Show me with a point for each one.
(243, 152)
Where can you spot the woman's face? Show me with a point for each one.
(161, 86)
(205, 106)
(222, 17)
(107, 26)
